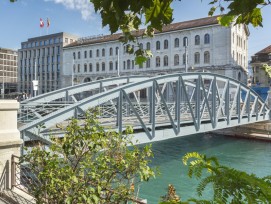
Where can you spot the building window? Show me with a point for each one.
(196, 58)
(85, 67)
(90, 67)
(90, 54)
(85, 54)
(97, 53)
(97, 67)
(148, 46)
(233, 38)
(116, 65)
(157, 45)
(157, 61)
(110, 65)
(148, 63)
(141, 46)
(78, 68)
(197, 40)
(74, 55)
(185, 59)
(176, 42)
(117, 50)
(124, 65)
(78, 55)
(110, 51)
(103, 52)
(128, 64)
(103, 66)
(206, 57)
(165, 44)
(185, 41)
(206, 38)
(176, 60)
(165, 60)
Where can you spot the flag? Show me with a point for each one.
(48, 22)
(41, 23)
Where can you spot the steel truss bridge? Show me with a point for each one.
(158, 107)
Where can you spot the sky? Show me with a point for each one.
(20, 20)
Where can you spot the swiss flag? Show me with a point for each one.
(41, 23)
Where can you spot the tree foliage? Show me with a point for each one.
(267, 69)
(89, 165)
(229, 185)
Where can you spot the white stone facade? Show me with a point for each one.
(211, 48)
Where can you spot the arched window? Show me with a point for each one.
(206, 38)
(78, 68)
(176, 42)
(206, 57)
(157, 61)
(176, 60)
(103, 52)
(157, 45)
(90, 67)
(128, 64)
(85, 67)
(197, 58)
(165, 44)
(97, 53)
(244, 60)
(110, 65)
(110, 51)
(185, 41)
(97, 67)
(148, 46)
(103, 66)
(197, 40)
(117, 50)
(74, 55)
(239, 76)
(74, 68)
(116, 65)
(165, 60)
(85, 54)
(90, 54)
(133, 64)
(233, 36)
(78, 55)
(141, 45)
(148, 63)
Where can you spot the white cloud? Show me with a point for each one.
(84, 6)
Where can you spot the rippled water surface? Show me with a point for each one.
(248, 155)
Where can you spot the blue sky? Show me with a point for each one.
(20, 20)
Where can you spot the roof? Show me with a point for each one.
(167, 28)
(266, 50)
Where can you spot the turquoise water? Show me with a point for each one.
(253, 156)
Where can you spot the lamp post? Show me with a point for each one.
(185, 46)
(72, 70)
(118, 71)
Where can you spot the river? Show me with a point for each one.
(253, 156)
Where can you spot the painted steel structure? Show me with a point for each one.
(175, 105)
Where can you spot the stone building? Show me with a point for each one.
(41, 58)
(208, 46)
(260, 78)
(8, 71)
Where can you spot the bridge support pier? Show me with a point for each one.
(10, 141)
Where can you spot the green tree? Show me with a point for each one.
(229, 185)
(88, 165)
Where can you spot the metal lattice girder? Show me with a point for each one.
(36, 107)
(196, 102)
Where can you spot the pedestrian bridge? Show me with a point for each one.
(158, 108)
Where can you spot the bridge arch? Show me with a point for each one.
(193, 106)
